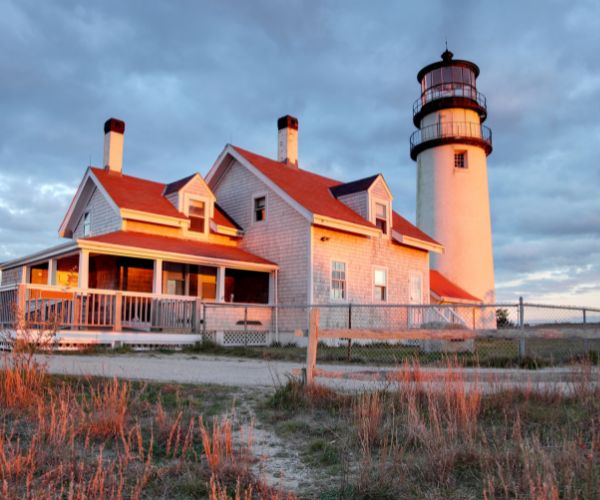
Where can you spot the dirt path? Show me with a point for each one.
(245, 372)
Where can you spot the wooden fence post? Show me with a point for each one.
(118, 311)
(313, 339)
(21, 312)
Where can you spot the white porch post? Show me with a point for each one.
(24, 273)
(157, 282)
(221, 284)
(84, 266)
(52, 271)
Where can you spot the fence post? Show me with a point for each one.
(21, 312)
(350, 328)
(245, 325)
(313, 339)
(584, 316)
(203, 321)
(521, 313)
(522, 347)
(118, 311)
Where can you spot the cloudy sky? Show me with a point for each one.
(189, 76)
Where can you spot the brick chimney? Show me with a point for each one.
(113, 145)
(287, 139)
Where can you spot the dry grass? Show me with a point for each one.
(446, 438)
(103, 439)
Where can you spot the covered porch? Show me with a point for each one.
(99, 286)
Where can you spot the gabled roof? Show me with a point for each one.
(135, 193)
(173, 187)
(310, 190)
(180, 246)
(445, 289)
(147, 196)
(354, 186)
(315, 193)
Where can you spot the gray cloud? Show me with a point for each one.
(187, 77)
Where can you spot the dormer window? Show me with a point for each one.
(87, 224)
(381, 217)
(197, 214)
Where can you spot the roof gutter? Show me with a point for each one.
(349, 227)
(40, 256)
(417, 243)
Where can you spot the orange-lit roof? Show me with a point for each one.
(146, 196)
(443, 287)
(314, 192)
(308, 189)
(176, 245)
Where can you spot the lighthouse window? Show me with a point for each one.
(460, 159)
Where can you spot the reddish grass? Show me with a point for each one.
(94, 439)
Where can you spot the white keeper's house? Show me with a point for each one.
(255, 232)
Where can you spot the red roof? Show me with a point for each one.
(177, 245)
(313, 192)
(404, 227)
(308, 189)
(146, 196)
(443, 287)
(135, 193)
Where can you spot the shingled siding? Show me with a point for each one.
(282, 238)
(361, 255)
(11, 276)
(359, 202)
(104, 219)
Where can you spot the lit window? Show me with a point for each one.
(381, 217)
(260, 208)
(197, 213)
(460, 159)
(87, 224)
(380, 285)
(338, 280)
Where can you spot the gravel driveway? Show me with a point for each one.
(222, 370)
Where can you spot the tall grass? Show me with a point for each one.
(98, 439)
(447, 438)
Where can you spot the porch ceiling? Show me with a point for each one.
(192, 251)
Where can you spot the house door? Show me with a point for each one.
(415, 298)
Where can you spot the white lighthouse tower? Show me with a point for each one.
(451, 149)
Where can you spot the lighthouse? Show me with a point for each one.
(451, 147)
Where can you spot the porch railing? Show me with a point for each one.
(39, 306)
(90, 309)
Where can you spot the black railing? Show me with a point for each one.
(446, 90)
(468, 131)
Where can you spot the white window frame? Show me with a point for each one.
(86, 223)
(255, 197)
(387, 290)
(208, 209)
(331, 297)
(388, 210)
(465, 154)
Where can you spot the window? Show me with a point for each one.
(380, 285)
(260, 205)
(338, 280)
(460, 159)
(197, 213)
(87, 224)
(381, 217)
